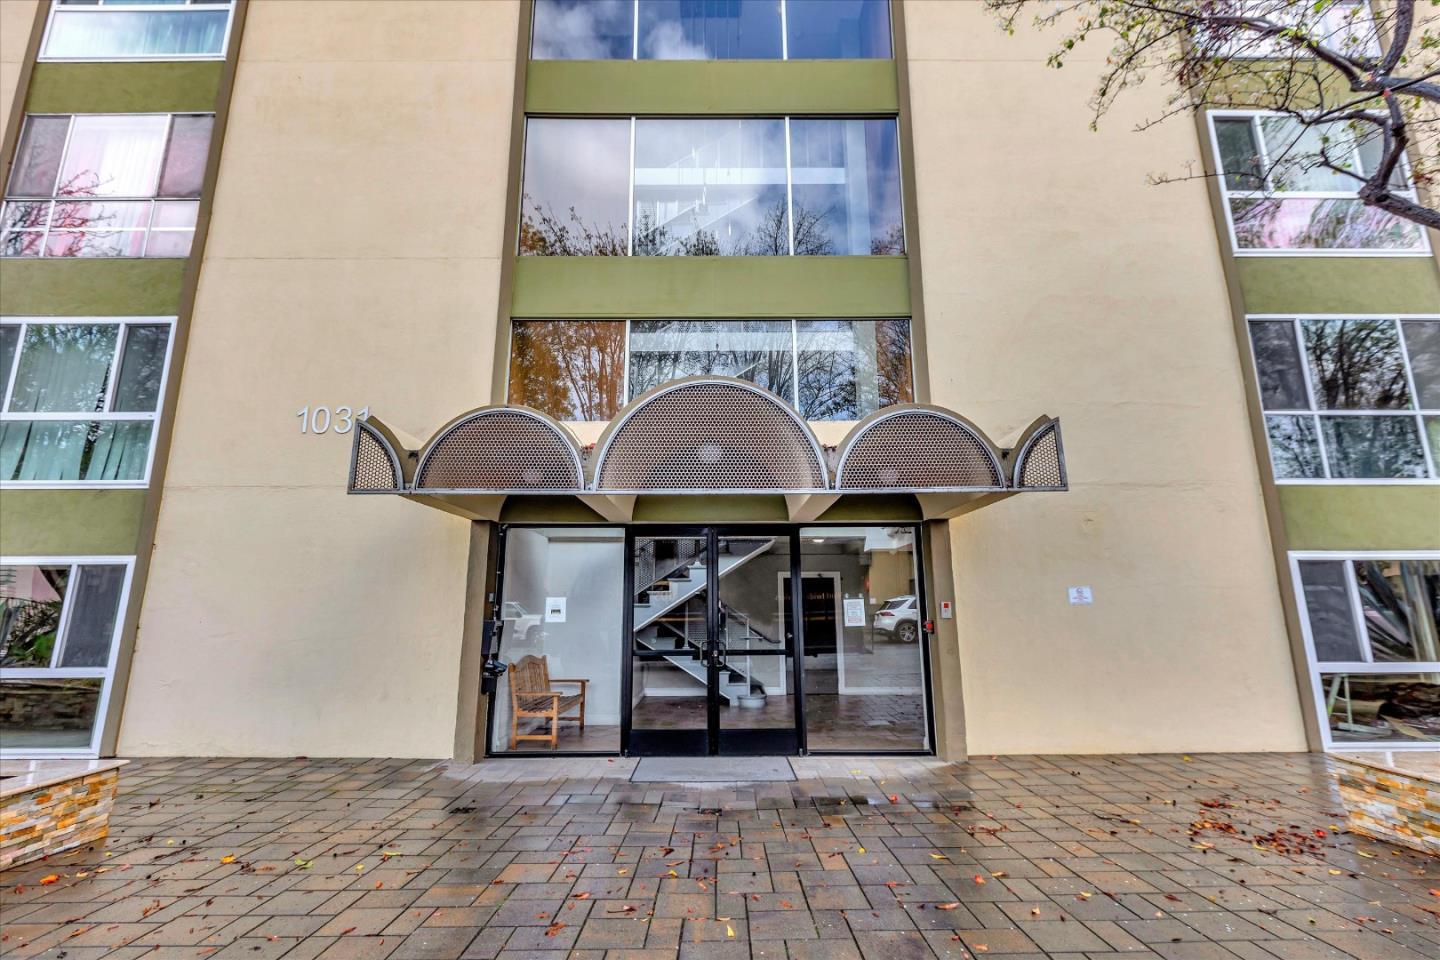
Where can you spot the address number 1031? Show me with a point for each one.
(323, 419)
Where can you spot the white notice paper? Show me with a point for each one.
(854, 612)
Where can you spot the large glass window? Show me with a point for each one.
(710, 29)
(79, 399)
(711, 187)
(846, 187)
(827, 369)
(864, 644)
(137, 30)
(1283, 193)
(1350, 398)
(105, 185)
(1374, 646)
(576, 188)
(59, 620)
(561, 606)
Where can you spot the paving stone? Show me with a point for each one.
(1083, 858)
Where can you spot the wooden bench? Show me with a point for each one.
(532, 699)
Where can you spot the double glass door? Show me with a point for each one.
(711, 642)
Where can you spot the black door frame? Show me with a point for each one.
(714, 740)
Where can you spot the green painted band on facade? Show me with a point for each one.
(719, 87)
(124, 87)
(90, 288)
(680, 287)
(1361, 517)
(82, 523)
(1339, 284)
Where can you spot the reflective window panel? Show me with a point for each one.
(710, 30)
(846, 187)
(710, 187)
(31, 598)
(1382, 708)
(837, 29)
(570, 369)
(561, 606)
(759, 351)
(583, 30)
(863, 647)
(49, 713)
(575, 191)
(127, 30)
(851, 368)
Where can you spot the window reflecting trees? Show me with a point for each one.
(711, 187)
(827, 369)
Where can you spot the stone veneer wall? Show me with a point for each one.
(46, 820)
(1390, 806)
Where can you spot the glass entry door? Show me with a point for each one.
(711, 652)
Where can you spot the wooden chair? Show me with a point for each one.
(532, 698)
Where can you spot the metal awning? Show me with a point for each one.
(706, 436)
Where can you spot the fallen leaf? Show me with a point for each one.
(580, 896)
(48, 879)
(554, 929)
(228, 858)
(947, 906)
(978, 879)
(729, 930)
(938, 856)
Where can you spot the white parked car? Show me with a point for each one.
(899, 617)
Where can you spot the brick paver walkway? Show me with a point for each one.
(1203, 858)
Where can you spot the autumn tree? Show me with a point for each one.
(1350, 74)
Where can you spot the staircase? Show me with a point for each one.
(665, 621)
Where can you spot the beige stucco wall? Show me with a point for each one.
(353, 260)
(1058, 281)
(17, 19)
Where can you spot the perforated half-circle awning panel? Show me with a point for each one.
(918, 450)
(501, 450)
(710, 436)
(1041, 464)
(375, 469)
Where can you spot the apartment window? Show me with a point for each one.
(1350, 398)
(105, 185)
(1344, 25)
(711, 30)
(59, 622)
(762, 186)
(137, 30)
(827, 369)
(80, 399)
(1373, 645)
(1282, 198)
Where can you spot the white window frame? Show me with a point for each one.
(107, 415)
(1227, 195)
(138, 6)
(105, 673)
(793, 401)
(789, 178)
(1417, 413)
(784, 37)
(154, 199)
(1316, 667)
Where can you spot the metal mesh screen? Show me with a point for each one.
(1042, 466)
(917, 450)
(711, 436)
(501, 450)
(374, 469)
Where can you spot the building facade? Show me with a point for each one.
(622, 319)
